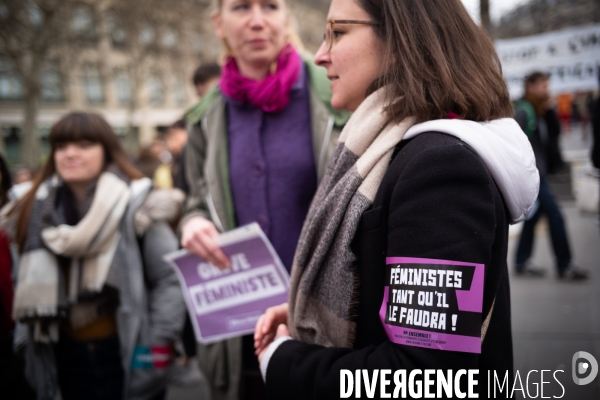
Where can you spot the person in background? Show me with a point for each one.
(189, 374)
(205, 77)
(255, 153)
(22, 174)
(175, 139)
(590, 109)
(564, 109)
(101, 307)
(581, 99)
(5, 181)
(428, 173)
(154, 161)
(542, 127)
(595, 118)
(147, 161)
(12, 381)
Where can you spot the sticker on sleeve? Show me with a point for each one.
(434, 304)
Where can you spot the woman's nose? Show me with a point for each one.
(257, 19)
(71, 149)
(322, 55)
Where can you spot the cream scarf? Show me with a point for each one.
(90, 246)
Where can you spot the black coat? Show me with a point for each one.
(546, 147)
(596, 133)
(437, 200)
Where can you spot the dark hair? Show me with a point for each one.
(147, 162)
(179, 124)
(535, 77)
(74, 127)
(5, 181)
(206, 72)
(438, 61)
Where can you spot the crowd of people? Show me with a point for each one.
(396, 141)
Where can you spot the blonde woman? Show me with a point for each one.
(258, 145)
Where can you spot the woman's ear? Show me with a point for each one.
(217, 23)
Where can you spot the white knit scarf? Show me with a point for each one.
(90, 246)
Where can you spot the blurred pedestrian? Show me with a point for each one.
(147, 161)
(154, 161)
(589, 107)
(188, 373)
(565, 109)
(427, 174)
(5, 181)
(595, 117)
(540, 124)
(255, 154)
(12, 380)
(175, 138)
(102, 308)
(205, 77)
(22, 174)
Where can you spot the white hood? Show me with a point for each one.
(505, 150)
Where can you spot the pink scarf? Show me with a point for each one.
(272, 93)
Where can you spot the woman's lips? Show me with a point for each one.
(258, 42)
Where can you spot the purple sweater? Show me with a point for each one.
(272, 167)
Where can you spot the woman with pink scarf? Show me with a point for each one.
(258, 145)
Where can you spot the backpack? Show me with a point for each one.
(527, 107)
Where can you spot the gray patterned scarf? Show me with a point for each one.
(323, 286)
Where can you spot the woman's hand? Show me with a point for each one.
(198, 237)
(267, 327)
(282, 330)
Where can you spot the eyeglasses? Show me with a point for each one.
(328, 37)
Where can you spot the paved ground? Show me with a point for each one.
(551, 319)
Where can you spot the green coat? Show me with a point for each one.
(207, 173)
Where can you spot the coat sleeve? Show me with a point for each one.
(441, 207)
(194, 159)
(165, 299)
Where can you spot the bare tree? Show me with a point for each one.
(33, 32)
(143, 24)
(30, 30)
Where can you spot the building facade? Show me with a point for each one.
(130, 63)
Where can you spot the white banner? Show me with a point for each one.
(570, 56)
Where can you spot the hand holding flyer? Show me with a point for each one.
(227, 303)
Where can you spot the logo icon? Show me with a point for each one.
(581, 367)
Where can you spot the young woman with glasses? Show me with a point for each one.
(402, 258)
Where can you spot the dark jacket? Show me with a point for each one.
(544, 140)
(436, 201)
(6, 286)
(596, 133)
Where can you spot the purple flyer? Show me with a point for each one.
(227, 303)
(435, 304)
